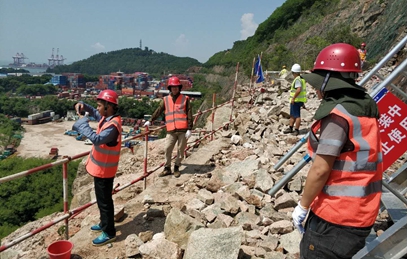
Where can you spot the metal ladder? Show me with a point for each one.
(392, 244)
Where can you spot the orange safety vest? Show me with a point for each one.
(362, 54)
(176, 113)
(104, 160)
(351, 195)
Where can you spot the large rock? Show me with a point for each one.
(223, 243)
(179, 226)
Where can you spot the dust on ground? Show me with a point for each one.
(39, 139)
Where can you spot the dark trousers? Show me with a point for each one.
(324, 240)
(103, 191)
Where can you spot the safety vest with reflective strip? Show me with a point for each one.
(176, 113)
(104, 160)
(302, 97)
(362, 54)
(351, 195)
(282, 72)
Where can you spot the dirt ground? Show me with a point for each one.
(39, 139)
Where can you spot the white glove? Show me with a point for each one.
(187, 134)
(147, 123)
(299, 215)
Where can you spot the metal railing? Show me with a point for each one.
(68, 214)
(385, 82)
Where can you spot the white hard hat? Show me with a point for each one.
(296, 68)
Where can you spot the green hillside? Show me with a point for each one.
(285, 24)
(129, 61)
(296, 32)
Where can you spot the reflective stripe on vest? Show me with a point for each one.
(302, 97)
(351, 195)
(362, 54)
(104, 160)
(175, 113)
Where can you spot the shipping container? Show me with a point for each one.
(44, 120)
(63, 95)
(128, 91)
(59, 80)
(32, 122)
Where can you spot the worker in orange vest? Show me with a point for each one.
(178, 121)
(344, 184)
(104, 157)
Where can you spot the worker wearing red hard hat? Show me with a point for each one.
(344, 184)
(362, 54)
(103, 159)
(178, 121)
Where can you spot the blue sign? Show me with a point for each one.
(380, 95)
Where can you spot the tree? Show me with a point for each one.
(8, 128)
(33, 196)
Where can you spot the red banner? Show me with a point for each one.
(393, 128)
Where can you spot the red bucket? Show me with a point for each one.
(60, 249)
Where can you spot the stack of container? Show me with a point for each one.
(59, 80)
(33, 118)
(41, 117)
(103, 82)
(75, 80)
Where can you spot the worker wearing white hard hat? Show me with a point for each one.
(297, 100)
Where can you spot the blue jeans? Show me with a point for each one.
(295, 109)
(324, 240)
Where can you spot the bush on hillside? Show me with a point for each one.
(31, 197)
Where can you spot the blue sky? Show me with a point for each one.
(82, 28)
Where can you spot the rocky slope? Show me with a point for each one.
(219, 206)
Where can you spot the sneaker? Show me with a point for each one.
(289, 130)
(296, 132)
(96, 228)
(165, 172)
(103, 239)
(177, 173)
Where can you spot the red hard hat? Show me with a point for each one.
(174, 81)
(339, 57)
(109, 96)
(363, 44)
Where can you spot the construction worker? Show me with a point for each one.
(362, 53)
(343, 187)
(298, 99)
(283, 71)
(104, 157)
(178, 120)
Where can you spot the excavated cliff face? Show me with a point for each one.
(381, 23)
